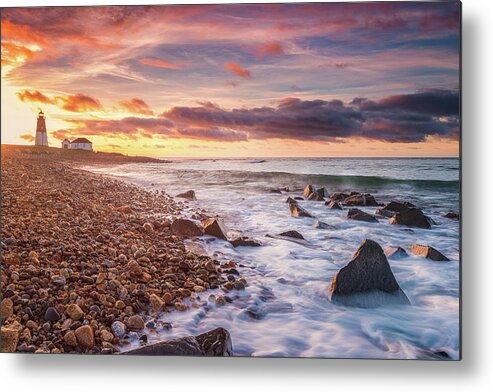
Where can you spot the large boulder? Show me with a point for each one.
(338, 196)
(367, 281)
(308, 191)
(189, 195)
(216, 228)
(357, 214)
(361, 199)
(428, 252)
(186, 228)
(297, 210)
(413, 217)
(215, 343)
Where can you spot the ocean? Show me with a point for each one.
(288, 282)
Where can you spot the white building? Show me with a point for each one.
(81, 143)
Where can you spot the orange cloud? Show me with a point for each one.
(34, 96)
(72, 103)
(20, 33)
(238, 70)
(138, 106)
(28, 137)
(79, 103)
(160, 64)
(270, 49)
(12, 54)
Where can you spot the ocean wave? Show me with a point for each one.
(295, 181)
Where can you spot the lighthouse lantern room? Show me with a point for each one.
(41, 136)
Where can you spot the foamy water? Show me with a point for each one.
(288, 283)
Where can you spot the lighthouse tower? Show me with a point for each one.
(41, 136)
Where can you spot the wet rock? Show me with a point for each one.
(322, 225)
(395, 252)
(452, 215)
(156, 302)
(367, 280)
(333, 205)
(384, 213)
(292, 234)
(6, 309)
(361, 199)
(214, 343)
(189, 195)
(338, 196)
(135, 323)
(428, 252)
(308, 191)
(51, 314)
(216, 228)
(74, 312)
(9, 337)
(85, 337)
(412, 217)
(290, 200)
(396, 206)
(118, 328)
(357, 214)
(243, 241)
(317, 195)
(186, 228)
(298, 211)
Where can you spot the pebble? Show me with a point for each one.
(85, 337)
(51, 314)
(118, 328)
(74, 312)
(135, 323)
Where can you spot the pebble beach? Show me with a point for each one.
(88, 261)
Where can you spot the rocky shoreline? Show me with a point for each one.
(89, 262)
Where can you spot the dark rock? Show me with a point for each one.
(216, 228)
(367, 281)
(290, 200)
(239, 240)
(384, 213)
(395, 252)
(190, 195)
(297, 210)
(215, 343)
(339, 196)
(428, 252)
(333, 205)
(186, 228)
(361, 200)
(397, 206)
(452, 215)
(308, 191)
(317, 195)
(298, 198)
(292, 234)
(413, 217)
(356, 214)
(322, 225)
(51, 314)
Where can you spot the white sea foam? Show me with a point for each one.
(288, 283)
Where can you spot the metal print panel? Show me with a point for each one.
(261, 180)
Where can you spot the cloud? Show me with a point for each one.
(398, 118)
(159, 63)
(79, 103)
(226, 135)
(270, 49)
(28, 137)
(138, 106)
(237, 70)
(34, 96)
(70, 103)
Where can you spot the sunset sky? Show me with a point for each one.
(354, 79)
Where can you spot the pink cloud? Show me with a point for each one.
(238, 70)
(160, 64)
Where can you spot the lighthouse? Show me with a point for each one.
(41, 136)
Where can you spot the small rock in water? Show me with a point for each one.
(298, 211)
(452, 215)
(308, 191)
(292, 234)
(189, 195)
(428, 252)
(357, 214)
(333, 205)
(395, 252)
(216, 228)
(413, 217)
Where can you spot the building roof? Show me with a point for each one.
(66, 140)
(81, 140)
